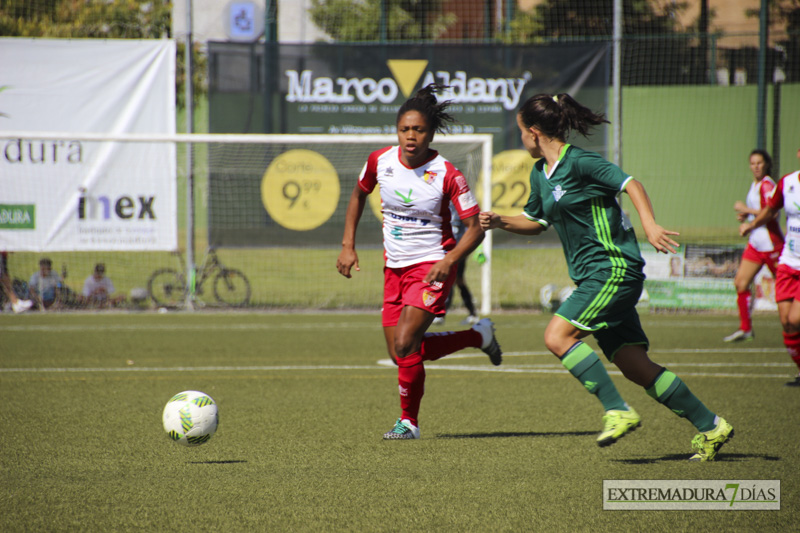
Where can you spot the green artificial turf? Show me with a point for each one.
(303, 403)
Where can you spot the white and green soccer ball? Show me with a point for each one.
(190, 418)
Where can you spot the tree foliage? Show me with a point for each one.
(106, 19)
(581, 19)
(360, 20)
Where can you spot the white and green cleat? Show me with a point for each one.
(707, 444)
(617, 424)
(489, 344)
(403, 429)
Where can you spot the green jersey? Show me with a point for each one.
(579, 197)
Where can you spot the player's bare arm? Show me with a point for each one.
(519, 224)
(742, 211)
(348, 258)
(659, 237)
(764, 216)
(473, 236)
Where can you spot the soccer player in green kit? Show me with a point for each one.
(576, 191)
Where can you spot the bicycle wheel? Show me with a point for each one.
(167, 288)
(232, 287)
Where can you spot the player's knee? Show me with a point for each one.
(404, 346)
(790, 327)
(556, 343)
(741, 285)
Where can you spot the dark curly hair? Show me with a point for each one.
(426, 103)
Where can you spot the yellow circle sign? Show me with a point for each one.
(300, 190)
(511, 186)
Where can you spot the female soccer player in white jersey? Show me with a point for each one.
(576, 191)
(786, 195)
(764, 245)
(416, 187)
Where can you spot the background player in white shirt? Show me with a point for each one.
(416, 188)
(787, 280)
(764, 245)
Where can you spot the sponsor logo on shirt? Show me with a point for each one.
(467, 200)
(408, 201)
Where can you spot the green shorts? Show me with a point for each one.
(608, 311)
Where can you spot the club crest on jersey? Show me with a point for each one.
(559, 193)
(429, 298)
(429, 177)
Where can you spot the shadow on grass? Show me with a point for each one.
(506, 434)
(721, 458)
(230, 462)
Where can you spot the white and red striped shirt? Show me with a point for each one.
(415, 205)
(768, 237)
(787, 196)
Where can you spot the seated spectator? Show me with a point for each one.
(17, 305)
(45, 286)
(98, 290)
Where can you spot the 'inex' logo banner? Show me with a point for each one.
(720, 494)
(62, 193)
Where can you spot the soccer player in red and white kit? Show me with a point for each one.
(421, 255)
(764, 244)
(786, 195)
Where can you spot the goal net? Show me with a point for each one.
(267, 219)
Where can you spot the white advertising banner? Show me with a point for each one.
(68, 194)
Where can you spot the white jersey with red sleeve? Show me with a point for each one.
(415, 203)
(787, 196)
(768, 237)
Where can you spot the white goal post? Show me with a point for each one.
(27, 149)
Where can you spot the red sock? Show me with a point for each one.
(437, 345)
(412, 386)
(743, 302)
(792, 343)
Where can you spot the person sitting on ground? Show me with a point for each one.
(98, 290)
(18, 305)
(45, 286)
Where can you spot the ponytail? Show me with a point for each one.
(556, 115)
(426, 103)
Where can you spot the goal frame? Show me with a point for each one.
(485, 140)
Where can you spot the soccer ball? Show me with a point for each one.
(190, 418)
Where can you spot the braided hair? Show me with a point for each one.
(426, 103)
(556, 115)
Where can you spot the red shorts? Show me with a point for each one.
(762, 258)
(405, 286)
(787, 284)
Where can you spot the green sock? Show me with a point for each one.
(583, 363)
(670, 391)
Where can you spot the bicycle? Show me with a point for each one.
(167, 287)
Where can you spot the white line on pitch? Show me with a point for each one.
(723, 351)
(61, 328)
(191, 368)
